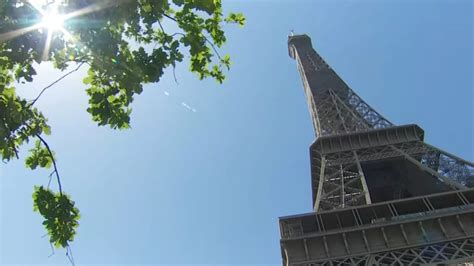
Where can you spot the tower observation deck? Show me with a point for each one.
(381, 195)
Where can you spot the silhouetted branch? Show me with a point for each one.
(54, 82)
(213, 48)
(207, 40)
(161, 26)
(174, 75)
(168, 16)
(50, 177)
(69, 255)
(52, 250)
(54, 163)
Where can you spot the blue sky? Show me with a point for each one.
(207, 187)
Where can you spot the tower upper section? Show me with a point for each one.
(335, 109)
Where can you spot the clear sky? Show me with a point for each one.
(208, 186)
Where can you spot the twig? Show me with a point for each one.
(178, 33)
(54, 82)
(174, 75)
(168, 16)
(52, 250)
(54, 163)
(213, 48)
(50, 177)
(69, 255)
(16, 151)
(9, 138)
(163, 30)
(161, 26)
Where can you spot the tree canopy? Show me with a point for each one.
(123, 43)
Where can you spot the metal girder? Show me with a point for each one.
(379, 231)
(341, 185)
(347, 152)
(447, 253)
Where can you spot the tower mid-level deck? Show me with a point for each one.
(381, 195)
(421, 230)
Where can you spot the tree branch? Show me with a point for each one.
(207, 39)
(168, 16)
(50, 177)
(54, 163)
(177, 33)
(163, 30)
(69, 255)
(52, 250)
(213, 48)
(161, 26)
(174, 75)
(54, 82)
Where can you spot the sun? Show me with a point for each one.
(53, 21)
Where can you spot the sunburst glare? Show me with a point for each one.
(53, 21)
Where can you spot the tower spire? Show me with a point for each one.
(335, 108)
(381, 195)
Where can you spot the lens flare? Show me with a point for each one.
(53, 21)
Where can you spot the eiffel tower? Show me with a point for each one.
(381, 195)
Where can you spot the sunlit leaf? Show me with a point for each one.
(60, 215)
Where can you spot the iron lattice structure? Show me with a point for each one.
(365, 170)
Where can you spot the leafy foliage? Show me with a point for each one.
(39, 156)
(61, 217)
(18, 121)
(125, 45)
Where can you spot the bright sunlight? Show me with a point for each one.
(53, 21)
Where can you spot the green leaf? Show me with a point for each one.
(209, 6)
(236, 18)
(46, 130)
(87, 80)
(61, 217)
(226, 61)
(39, 156)
(147, 8)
